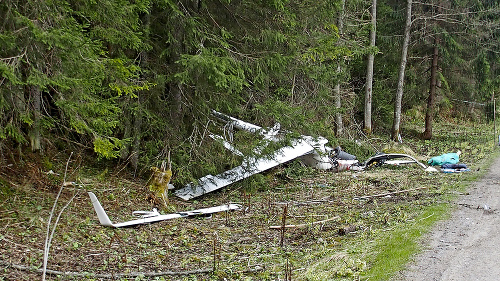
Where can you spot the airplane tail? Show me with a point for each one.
(101, 214)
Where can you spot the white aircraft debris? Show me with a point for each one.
(155, 216)
(312, 151)
(383, 158)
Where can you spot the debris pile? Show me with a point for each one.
(449, 163)
(310, 150)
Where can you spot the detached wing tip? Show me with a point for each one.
(101, 213)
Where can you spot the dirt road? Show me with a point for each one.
(467, 245)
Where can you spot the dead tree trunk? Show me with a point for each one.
(339, 125)
(338, 97)
(369, 71)
(427, 135)
(399, 92)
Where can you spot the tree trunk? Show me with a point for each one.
(369, 71)
(339, 128)
(137, 133)
(138, 115)
(36, 101)
(176, 91)
(127, 127)
(175, 87)
(401, 77)
(427, 135)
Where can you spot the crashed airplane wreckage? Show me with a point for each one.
(383, 158)
(154, 216)
(310, 150)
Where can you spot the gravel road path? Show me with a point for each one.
(467, 245)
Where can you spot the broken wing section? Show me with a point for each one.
(101, 214)
(249, 167)
(318, 158)
(104, 219)
(151, 217)
(384, 158)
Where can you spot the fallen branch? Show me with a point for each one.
(107, 276)
(302, 225)
(117, 275)
(389, 193)
(295, 203)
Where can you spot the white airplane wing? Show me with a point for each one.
(250, 167)
(104, 219)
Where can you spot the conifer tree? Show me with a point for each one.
(62, 61)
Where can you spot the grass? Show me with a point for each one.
(394, 251)
(388, 230)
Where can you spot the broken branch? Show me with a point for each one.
(283, 225)
(106, 276)
(302, 225)
(118, 275)
(389, 193)
(49, 236)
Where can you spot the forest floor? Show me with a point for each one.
(369, 239)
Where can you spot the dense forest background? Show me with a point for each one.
(131, 81)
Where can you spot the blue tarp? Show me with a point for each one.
(448, 158)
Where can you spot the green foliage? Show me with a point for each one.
(108, 148)
(141, 76)
(212, 70)
(362, 152)
(336, 266)
(63, 54)
(12, 132)
(296, 170)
